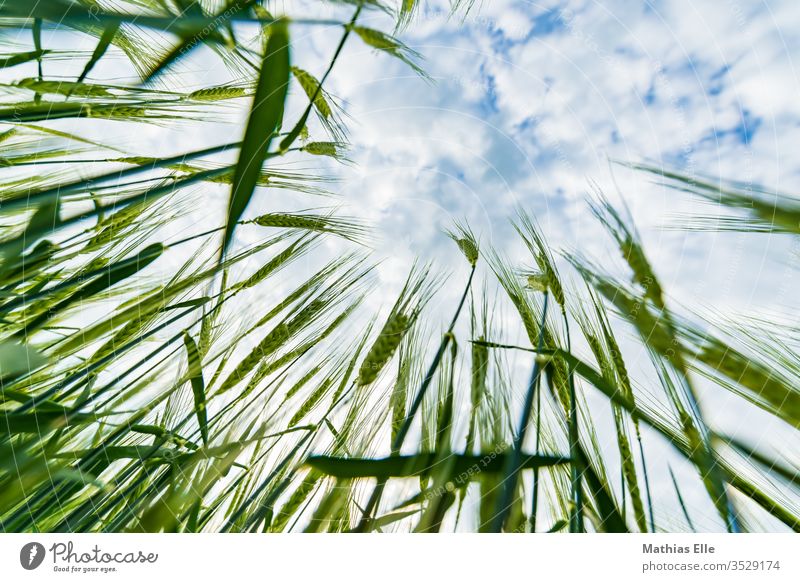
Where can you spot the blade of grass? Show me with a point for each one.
(514, 460)
(265, 117)
(198, 385)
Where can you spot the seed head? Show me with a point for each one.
(383, 348)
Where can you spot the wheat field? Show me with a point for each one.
(162, 374)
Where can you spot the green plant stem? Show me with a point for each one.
(514, 462)
(715, 475)
(646, 481)
(680, 501)
(576, 516)
(535, 492)
(298, 127)
(402, 432)
(279, 468)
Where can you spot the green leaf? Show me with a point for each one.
(198, 385)
(109, 32)
(558, 526)
(392, 517)
(265, 115)
(134, 452)
(17, 359)
(609, 516)
(773, 465)
(41, 422)
(424, 463)
(44, 221)
(119, 271)
(179, 51)
(19, 58)
(680, 500)
(37, 42)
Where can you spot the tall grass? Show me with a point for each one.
(138, 394)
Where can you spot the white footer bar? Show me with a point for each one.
(399, 557)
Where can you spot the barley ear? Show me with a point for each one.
(467, 243)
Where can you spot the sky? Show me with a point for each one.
(532, 103)
(537, 105)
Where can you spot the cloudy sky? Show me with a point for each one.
(530, 102)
